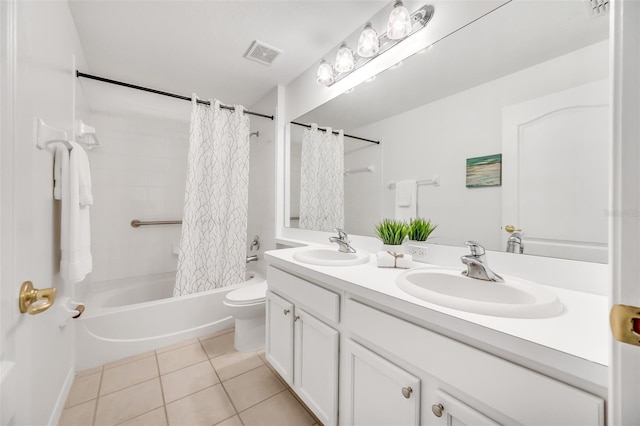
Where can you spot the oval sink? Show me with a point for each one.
(330, 257)
(515, 298)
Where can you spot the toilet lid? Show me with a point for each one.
(252, 293)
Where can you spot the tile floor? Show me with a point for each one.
(200, 382)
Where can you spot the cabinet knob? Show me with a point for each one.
(296, 318)
(286, 311)
(437, 410)
(406, 392)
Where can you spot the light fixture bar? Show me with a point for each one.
(420, 18)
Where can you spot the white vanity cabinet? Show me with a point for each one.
(301, 347)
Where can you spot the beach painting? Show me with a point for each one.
(484, 171)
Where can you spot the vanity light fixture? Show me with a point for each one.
(399, 24)
(345, 61)
(370, 45)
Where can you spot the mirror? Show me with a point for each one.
(527, 81)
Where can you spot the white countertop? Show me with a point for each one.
(581, 330)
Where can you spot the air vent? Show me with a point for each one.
(598, 7)
(262, 52)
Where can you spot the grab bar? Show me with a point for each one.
(136, 223)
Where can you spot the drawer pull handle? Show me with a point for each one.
(406, 392)
(286, 311)
(437, 410)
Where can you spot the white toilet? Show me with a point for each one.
(248, 306)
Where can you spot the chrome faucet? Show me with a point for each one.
(514, 243)
(477, 266)
(343, 241)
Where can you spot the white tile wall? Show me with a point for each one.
(139, 173)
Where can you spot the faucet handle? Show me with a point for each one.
(476, 249)
(341, 234)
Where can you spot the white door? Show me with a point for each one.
(624, 371)
(377, 391)
(316, 366)
(555, 182)
(279, 338)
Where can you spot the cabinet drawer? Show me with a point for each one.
(323, 303)
(516, 392)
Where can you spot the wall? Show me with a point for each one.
(437, 138)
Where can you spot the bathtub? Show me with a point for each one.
(129, 316)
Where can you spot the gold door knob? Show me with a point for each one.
(29, 296)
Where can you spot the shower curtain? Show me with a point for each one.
(212, 250)
(322, 180)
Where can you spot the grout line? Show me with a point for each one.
(95, 410)
(264, 400)
(164, 402)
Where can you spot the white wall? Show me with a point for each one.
(438, 137)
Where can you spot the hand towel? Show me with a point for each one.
(60, 152)
(406, 199)
(84, 176)
(396, 260)
(75, 239)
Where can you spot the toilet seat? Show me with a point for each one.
(248, 295)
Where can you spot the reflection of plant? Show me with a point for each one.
(392, 232)
(420, 229)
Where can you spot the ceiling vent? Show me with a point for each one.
(262, 52)
(598, 7)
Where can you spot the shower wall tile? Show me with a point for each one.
(139, 173)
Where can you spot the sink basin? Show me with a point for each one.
(515, 298)
(330, 257)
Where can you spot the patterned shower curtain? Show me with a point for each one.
(322, 180)
(214, 226)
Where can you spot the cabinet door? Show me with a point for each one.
(378, 392)
(454, 412)
(316, 366)
(279, 338)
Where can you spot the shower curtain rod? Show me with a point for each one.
(308, 126)
(159, 92)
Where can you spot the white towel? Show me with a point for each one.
(60, 152)
(400, 260)
(84, 176)
(406, 199)
(75, 238)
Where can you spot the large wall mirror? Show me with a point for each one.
(525, 85)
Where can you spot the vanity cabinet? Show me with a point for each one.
(300, 346)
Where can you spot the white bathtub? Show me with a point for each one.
(129, 316)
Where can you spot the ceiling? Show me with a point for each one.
(189, 47)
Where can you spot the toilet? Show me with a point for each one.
(248, 306)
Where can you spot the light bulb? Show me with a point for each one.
(399, 24)
(368, 43)
(324, 75)
(344, 59)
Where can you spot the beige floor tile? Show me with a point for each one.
(219, 345)
(206, 407)
(124, 361)
(129, 374)
(280, 410)
(181, 357)
(155, 417)
(231, 421)
(252, 387)
(177, 345)
(83, 389)
(89, 371)
(235, 363)
(79, 415)
(129, 403)
(217, 333)
(186, 381)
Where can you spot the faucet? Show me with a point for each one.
(514, 243)
(477, 266)
(343, 241)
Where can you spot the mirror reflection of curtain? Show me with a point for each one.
(322, 180)
(214, 225)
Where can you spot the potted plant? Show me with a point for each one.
(420, 229)
(392, 233)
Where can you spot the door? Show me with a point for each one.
(316, 366)
(453, 412)
(555, 185)
(378, 392)
(279, 338)
(624, 370)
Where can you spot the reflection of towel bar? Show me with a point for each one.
(435, 182)
(370, 168)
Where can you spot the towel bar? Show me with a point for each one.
(435, 182)
(135, 223)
